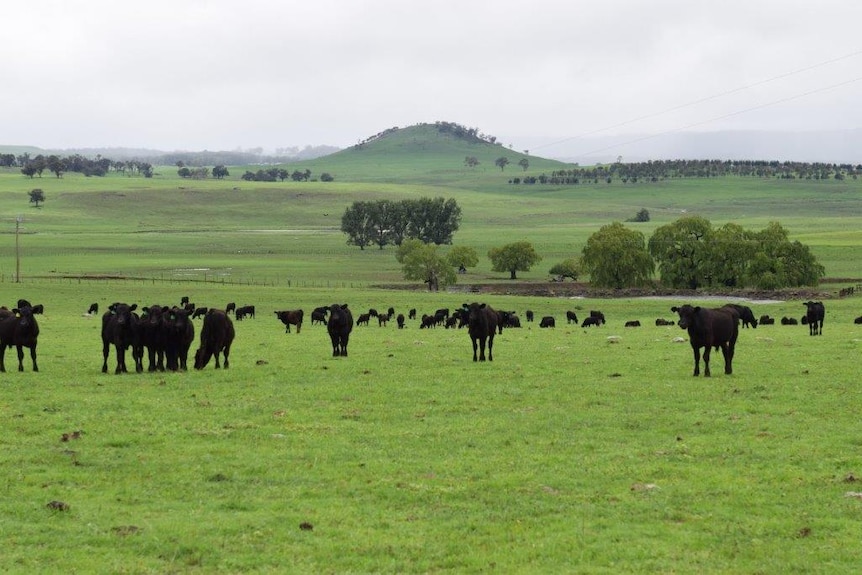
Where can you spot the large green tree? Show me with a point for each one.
(617, 257)
(462, 257)
(681, 250)
(514, 257)
(568, 268)
(423, 262)
(356, 223)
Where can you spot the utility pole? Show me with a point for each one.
(18, 221)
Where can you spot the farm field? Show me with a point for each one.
(567, 453)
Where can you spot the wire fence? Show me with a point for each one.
(173, 280)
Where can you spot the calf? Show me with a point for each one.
(245, 311)
(481, 325)
(571, 317)
(217, 335)
(339, 326)
(120, 329)
(766, 320)
(318, 315)
(363, 319)
(94, 308)
(815, 314)
(290, 317)
(547, 321)
(400, 321)
(529, 315)
(633, 323)
(231, 307)
(199, 312)
(18, 328)
(382, 319)
(662, 322)
(746, 316)
(592, 320)
(708, 328)
(789, 321)
(412, 313)
(858, 320)
(600, 317)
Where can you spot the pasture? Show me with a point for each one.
(566, 453)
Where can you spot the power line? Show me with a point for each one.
(702, 100)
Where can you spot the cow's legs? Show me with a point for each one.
(696, 351)
(706, 353)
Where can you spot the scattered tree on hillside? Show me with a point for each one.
(423, 262)
(616, 257)
(524, 163)
(184, 172)
(220, 172)
(471, 161)
(462, 257)
(641, 216)
(55, 165)
(514, 257)
(37, 196)
(568, 268)
(326, 177)
(501, 162)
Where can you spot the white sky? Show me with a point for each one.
(223, 74)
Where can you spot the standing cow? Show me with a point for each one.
(815, 314)
(18, 329)
(339, 326)
(217, 336)
(120, 329)
(481, 325)
(708, 328)
(290, 317)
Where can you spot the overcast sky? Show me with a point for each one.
(224, 74)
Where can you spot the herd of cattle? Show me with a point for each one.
(166, 333)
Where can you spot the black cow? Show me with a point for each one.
(661, 321)
(363, 319)
(318, 315)
(400, 320)
(592, 320)
(858, 320)
(529, 315)
(199, 312)
(391, 312)
(708, 328)
(151, 330)
(18, 328)
(766, 320)
(290, 317)
(412, 314)
(482, 325)
(598, 315)
(120, 329)
(94, 308)
(339, 326)
(231, 307)
(789, 321)
(382, 319)
(633, 323)
(746, 316)
(815, 314)
(427, 322)
(245, 311)
(571, 317)
(217, 336)
(184, 300)
(179, 336)
(547, 321)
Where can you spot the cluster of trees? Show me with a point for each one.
(464, 133)
(383, 222)
(58, 165)
(280, 174)
(654, 171)
(691, 253)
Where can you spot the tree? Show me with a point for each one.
(37, 196)
(681, 250)
(356, 223)
(462, 257)
(220, 172)
(616, 257)
(55, 165)
(729, 255)
(514, 257)
(524, 163)
(568, 268)
(433, 221)
(326, 177)
(424, 263)
(184, 172)
(406, 247)
(641, 216)
(471, 161)
(501, 162)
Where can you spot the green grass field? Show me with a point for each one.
(567, 453)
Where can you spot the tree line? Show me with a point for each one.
(384, 222)
(58, 165)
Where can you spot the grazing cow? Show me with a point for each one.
(199, 312)
(427, 322)
(179, 336)
(245, 311)
(452, 322)
(400, 320)
(598, 315)
(661, 321)
(547, 321)
(746, 316)
(231, 307)
(373, 313)
(789, 321)
(571, 317)
(509, 319)
(217, 336)
(391, 312)
(339, 326)
(290, 317)
(633, 323)
(18, 328)
(363, 319)
(529, 315)
(382, 319)
(184, 300)
(442, 312)
(94, 308)
(708, 328)
(858, 320)
(815, 315)
(592, 320)
(318, 315)
(412, 314)
(766, 320)
(120, 329)
(482, 325)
